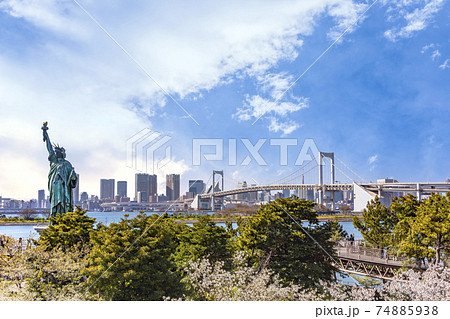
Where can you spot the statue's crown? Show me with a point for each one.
(58, 148)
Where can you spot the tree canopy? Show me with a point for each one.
(275, 237)
(419, 230)
(68, 230)
(132, 259)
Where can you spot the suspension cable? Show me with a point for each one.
(302, 167)
(341, 170)
(362, 179)
(300, 174)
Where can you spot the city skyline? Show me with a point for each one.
(372, 87)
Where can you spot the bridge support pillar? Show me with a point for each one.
(330, 156)
(213, 198)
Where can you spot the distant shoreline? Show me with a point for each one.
(235, 219)
(24, 224)
(195, 220)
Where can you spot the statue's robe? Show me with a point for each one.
(62, 179)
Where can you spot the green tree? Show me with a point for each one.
(432, 225)
(56, 274)
(345, 209)
(132, 259)
(204, 240)
(275, 238)
(378, 223)
(404, 240)
(28, 213)
(68, 230)
(337, 231)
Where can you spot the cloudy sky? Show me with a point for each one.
(370, 83)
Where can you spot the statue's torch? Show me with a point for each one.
(44, 128)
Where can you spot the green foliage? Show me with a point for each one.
(337, 231)
(404, 240)
(378, 223)
(68, 230)
(238, 210)
(345, 209)
(204, 240)
(418, 230)
(27, 213)
(132, 259)
(432, 225)
(56, 274)
(275, 238)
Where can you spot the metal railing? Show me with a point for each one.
(362, 251)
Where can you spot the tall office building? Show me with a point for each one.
(173, 186)
(107, 188)
(76, 192)
(241, 196)
(196, 186)
(253, 196)
(142, 185)
(122, 188)
(147, 185)
(41, 198)
(84, 197)
(153, 187)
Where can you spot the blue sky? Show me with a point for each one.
(378, 98)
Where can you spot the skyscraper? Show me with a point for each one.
(173, 186)
(107, 188)
(153, 186)
(122, 188)
(41, 198)
(147, 185)
(196, 186)
(84, 197)
(76, 192)
(241, 196)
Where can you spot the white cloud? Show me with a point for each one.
(445, 65)
(436, 54)
(426, 47)
(286, 127)
(49, 14)
(416, 20)
(372, 162)
(372, 159)
(274, 87)
(346, 14)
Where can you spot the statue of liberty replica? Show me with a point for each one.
(62, 178)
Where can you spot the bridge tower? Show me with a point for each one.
(213, 198)
(322, 155)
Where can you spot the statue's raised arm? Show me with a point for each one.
(50, 149)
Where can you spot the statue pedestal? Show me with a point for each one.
(40, 228)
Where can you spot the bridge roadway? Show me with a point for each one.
(356, 258)
(411, 187)
(260, 188)
(417, 188)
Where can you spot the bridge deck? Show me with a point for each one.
(358, 251)
(259, 188)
